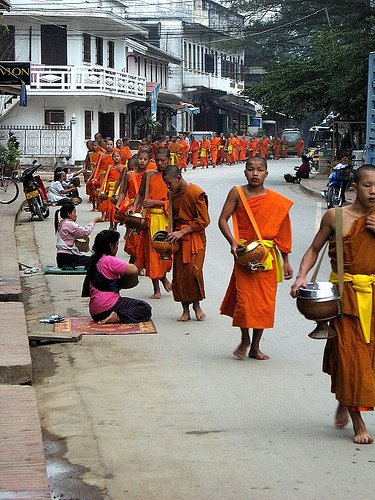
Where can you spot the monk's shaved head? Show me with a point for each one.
(361, 170)
(162, 151)
(256, 159)
(172, 171)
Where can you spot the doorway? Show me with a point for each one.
(54, 45)
(107, 124)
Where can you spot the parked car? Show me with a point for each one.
(198, 134)
(292, 135)
(134, 145)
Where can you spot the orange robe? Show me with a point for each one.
(184, 154)
(284, 148)
(204, 153)
(194, 149)
(190, 208)
(230, 150)
(221, 151)
(299, 146)
(113, 176)
(132, 238)
(236, 149)
(254, 147)
(264, 147)
(126, 154)
(175, 150)
(147, 257)
(276, 148)
(251, 297)
(95, 182)
(215, 143)
(348, 359)
(243, 149)
(106, 161)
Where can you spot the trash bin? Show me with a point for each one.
(325, 159)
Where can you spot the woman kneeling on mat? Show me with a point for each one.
(105, 277)
(68, 255)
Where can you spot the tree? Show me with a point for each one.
(316, 52)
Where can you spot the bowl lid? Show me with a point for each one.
(318, 290)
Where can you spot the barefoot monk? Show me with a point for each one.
(349, 358)
(190, 218)
(251, 295)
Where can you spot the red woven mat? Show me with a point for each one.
(87, 326)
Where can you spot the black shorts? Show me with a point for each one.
(128, 310)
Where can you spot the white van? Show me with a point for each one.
(200, 133)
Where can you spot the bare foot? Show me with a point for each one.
(184, 317)
(199, 314)
(341, 416)
(166, 284)
(112, 318)
(256, 354)
(156, 295)
(240, 352)
(361, 436)
(141, 271)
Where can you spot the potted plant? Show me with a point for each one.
(10, 155)
(148, 125)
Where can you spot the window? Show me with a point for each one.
(189, 65)
(185, 55)
(194, 57)
(111, 54)
(54, 117)
(99, 51)
(88, 123)
(209, 63)
(7, 44)
(86, 47)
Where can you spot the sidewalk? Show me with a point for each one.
(318, 182)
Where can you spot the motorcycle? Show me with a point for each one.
(313, 156)
(338, 182)
(35, 193)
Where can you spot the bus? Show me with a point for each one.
(320, 136)
(292, 135)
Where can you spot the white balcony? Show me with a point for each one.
(194, 78)
(86, 80)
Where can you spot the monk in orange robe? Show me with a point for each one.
(106, 161)
(231, 143)
(125, 152)
(184, 154)
(221, 149)
(284, 148)
(109, 185)
(276, 147)
(94, 181)
(194, 151)
(236, 149)
(175, 150)
(250, 297)
(349, 357)
(300, 144)
(244, 148)
(264, 147)
(190, 218)
(204, 152)
(215, 143)
(254, 147)
(156, 206)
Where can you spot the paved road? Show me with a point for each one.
(175, 415)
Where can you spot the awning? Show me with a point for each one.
(221, 99)
(165, 98)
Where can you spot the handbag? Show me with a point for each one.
(82, 244)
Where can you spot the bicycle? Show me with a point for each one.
(9, 189)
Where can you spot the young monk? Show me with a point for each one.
(157, 220)
(276, 147)
(244, 147)
(215, 143)
(94, 180)
(229, 149)
(125, 152)
(204, 152)
(175, 150)
(194, 151)
(221, 149)
(349, 357)
(109, 186)
(251, 296)
(264, 146)
(190, 218)
(185, 152)
(284, 148)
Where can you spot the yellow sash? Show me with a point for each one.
(174, 159)
(363, 286)
(158, 220)
(203, 153)
(230, 149)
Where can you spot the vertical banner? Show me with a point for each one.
(154, 101)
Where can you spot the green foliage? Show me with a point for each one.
(316, 52)
(148, 125)
(10, 153)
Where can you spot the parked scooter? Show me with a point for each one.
(35, 192)
(338, 182)
(313, 156)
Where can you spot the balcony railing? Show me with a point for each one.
(84, 80)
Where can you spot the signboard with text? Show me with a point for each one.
(20, 70)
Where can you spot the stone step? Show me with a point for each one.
(10, 285)
(22, 461)
(15, 360)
